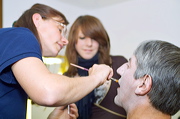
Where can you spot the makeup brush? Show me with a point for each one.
(88, 70)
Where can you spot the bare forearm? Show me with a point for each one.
(49, 89)
(64, 90)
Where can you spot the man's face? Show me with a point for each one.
(126, 82)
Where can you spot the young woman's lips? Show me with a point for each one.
(87, 50)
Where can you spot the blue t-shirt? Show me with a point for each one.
(15, 44)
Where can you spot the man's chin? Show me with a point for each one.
(116, 100)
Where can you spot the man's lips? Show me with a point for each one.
(118, 88)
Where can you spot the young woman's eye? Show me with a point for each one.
(82, 38)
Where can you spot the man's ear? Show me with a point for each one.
(36, 19)
(144, 86)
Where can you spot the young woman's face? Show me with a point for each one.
(86, 47)
(51, 37)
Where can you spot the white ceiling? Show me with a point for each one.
(92, 4)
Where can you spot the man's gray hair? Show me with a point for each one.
(160, 60)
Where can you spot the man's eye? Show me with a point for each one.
(127, 64)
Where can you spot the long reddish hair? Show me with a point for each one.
(93, 28)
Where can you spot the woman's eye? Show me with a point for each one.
(82, 38)
(60, 30)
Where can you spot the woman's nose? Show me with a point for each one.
(64, 40)
(89, 41)
(121, 69)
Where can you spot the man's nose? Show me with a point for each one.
(121, 69)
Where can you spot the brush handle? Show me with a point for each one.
(88, 70)
(114, 79)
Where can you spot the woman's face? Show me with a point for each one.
(86, 47)
(51, 37)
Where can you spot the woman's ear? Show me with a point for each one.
(36, 19)
(144, 86)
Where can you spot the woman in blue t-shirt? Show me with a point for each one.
(40, 31)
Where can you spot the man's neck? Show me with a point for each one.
(147, 113)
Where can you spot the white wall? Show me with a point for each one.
(128, 23)
(131, 22)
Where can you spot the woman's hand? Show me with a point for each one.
(102, 72)
(62, 112)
